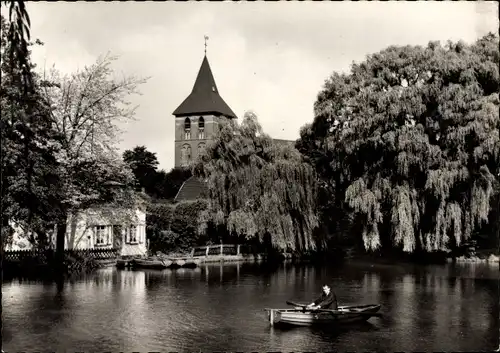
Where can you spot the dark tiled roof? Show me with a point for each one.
(191, 189)
(204, 98)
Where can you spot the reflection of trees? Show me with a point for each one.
(36, 308)
(371, 287)
(221, 274)
(436, 308)
(156, 279)
(441, 301)
(443, 307)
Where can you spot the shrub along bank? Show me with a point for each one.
(173, 227)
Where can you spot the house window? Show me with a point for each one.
(117, 236)
(187, 129)
(201, 128)
(142, 234)
(132, 236)
(101, 235)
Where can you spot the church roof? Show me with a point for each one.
(192, 189)
(204, 98)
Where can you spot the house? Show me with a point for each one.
(107, 228)
(102, 227)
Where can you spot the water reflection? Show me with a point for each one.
(220, 307)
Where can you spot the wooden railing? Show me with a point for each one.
(217, 250)
(43, 255)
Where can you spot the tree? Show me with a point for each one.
(167, 185)
(58, 139)
(85, 109)
(409, 142)
(143, 164)
(257, 189)
(28, 147)
(18, 33)
(174, 227)
(157, 183)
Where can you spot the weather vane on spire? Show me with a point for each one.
(206, 38)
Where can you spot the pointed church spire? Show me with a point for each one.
(205, 81)
(204, 98)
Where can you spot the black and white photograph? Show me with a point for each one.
(250, 176)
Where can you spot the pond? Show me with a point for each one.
(220, 308)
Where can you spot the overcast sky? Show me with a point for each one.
(272, 58)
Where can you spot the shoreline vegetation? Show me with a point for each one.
(492, 258)
(41, 265)
(43, 268)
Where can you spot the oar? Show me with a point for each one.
(362, 313)
(296, 304)
(303, 306)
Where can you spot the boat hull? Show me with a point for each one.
(345, 315)
(163, 264)
(152, 264)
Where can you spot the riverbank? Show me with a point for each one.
(431, 259)
(42, 263)
(491, 258)
(480, 256)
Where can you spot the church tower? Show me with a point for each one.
(197, 118)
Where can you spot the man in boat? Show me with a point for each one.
(325, 301)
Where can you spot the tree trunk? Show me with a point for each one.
(60, 235)
(496, 241)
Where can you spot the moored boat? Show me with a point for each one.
(146, 263)
(120, 263)
(160, 264)
(125, 261)
(303, 317)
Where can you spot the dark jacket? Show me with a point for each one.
(325, 301)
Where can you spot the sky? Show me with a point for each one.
(270, 58)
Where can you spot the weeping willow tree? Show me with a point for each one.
(409, 143)
(258, 189)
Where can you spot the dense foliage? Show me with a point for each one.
(407, 145)
(156, 183)
(143, 164)
(174, 227)
(168, 184)
(28, 146)
(258, 189)
(17, 32)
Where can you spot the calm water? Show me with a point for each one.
(214, 308)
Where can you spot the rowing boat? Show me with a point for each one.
(161, 264)
(150, 263)
(299, 316)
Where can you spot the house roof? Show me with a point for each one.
(204, 98)
(192, 189)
